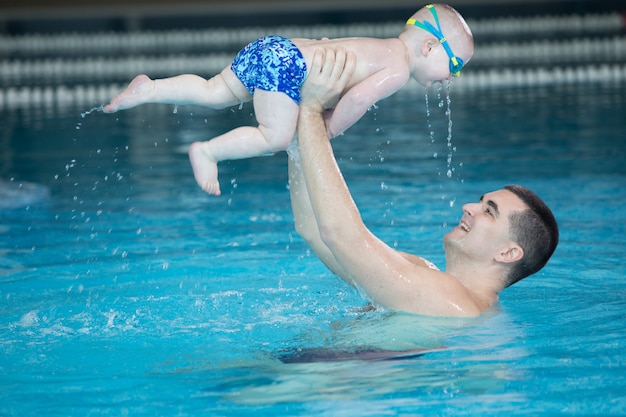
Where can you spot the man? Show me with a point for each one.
(506, 236)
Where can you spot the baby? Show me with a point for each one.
(270, 71)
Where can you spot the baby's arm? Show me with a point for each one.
(355, 102)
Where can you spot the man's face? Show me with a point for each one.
(484, 228)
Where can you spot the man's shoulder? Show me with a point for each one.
(441, 293)
(419, 261)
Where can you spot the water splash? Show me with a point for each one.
(442, 103)
(85, 113)
(431, 133)
(449, 137)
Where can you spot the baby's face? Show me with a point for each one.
(439, 66)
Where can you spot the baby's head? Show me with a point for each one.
(440, 41)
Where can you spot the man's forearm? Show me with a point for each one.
(336, 214)
(337, 218)
(304, 218)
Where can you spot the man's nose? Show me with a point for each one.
(469, 208)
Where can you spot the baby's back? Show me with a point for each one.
(372, 54)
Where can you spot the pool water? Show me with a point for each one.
(128, 291)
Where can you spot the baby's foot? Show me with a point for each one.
(204, 168)
(137, 92)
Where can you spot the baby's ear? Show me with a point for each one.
(428, 44)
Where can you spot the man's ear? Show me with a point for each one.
(428, 45)
(511, 253)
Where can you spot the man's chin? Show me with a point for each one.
(454, 235)
(454, 239)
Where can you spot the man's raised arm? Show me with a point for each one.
(337, 232)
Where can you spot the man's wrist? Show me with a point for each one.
(311, 109)
(311, 123)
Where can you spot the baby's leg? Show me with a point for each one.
(222, 90)
(277, 115)
(138, 92)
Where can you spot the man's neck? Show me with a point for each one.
(484, 282)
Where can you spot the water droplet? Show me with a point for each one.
(85, 113)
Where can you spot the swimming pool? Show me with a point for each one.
(126, 290)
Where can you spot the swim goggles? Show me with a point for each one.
(456, 63)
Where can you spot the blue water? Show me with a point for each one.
(125, 290)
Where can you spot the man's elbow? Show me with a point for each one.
(330, 236)
(308, 233)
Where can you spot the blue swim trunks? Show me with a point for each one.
(271, 63)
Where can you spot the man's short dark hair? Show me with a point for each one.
(535, 229)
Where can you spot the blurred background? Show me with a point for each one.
(45, 16)
(79, 52)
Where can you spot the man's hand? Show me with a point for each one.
(328, 77)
